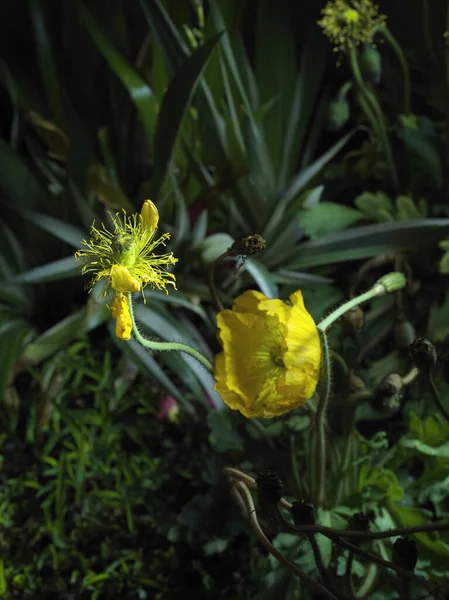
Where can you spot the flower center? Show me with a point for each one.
(124, 249)
(351, 16)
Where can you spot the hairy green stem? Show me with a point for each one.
(211, 279)
(348, 575)
(255, 525)
(160, 346)
(402, 61)
(374, 114)
(376, 290)
(436, 395)
(320, 423)
(427, 34)
(319, 561)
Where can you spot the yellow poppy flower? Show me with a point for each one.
(271, 355)
(350, 22)
(124, 258)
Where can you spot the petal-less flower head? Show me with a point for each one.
(125, 259)
(271, 355)
(350, 22)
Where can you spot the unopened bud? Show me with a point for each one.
(359, 522)
(248, 246)
(270, 489)
(353, 321)
(303, 513)
(423, 354)
(405, 554)
(404, 333)
(150, 217)
(388, 394)
(392, 282)
(338, 114)
(371, 63)
(355, 383)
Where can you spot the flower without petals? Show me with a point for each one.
(125, 260)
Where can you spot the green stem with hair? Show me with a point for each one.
(389, 37)
(374, 114)
(161, 346)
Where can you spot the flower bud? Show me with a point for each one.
(355, 383)
(338, 114)
(120, 312)
(353, 321)
(404, 333)
(359, 522)
(122, 281)
(150, 217)
(388, 394)
(405, 554)
(270, 489)
(248, 246)
(370, 63)
(423, 354)
(392, 282)
(303, 513)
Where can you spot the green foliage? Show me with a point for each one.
(219, 111)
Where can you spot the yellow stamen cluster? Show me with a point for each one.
(124, 258)
(350, 22)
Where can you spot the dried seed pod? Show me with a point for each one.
(405, 554)
(423, 354)
(303, 513)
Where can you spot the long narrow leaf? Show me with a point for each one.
(138, 88)
(175, 103)
(370, 240)
(299, 182)
(63, 268)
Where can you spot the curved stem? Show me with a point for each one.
(427, 34)
(160, 346)
(377, 290)
(348, 574)
(368, 583)
(320, 423)
(319, 561)
(211, 279)
(255, 525)
(404, 66)
(436, 395)
(374, 114)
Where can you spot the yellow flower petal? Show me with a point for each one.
(302, 356)
(120, 312)
(271, 355)
(122, 281)
(248, 301)
(150, 217)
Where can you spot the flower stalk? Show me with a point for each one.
(161, 346)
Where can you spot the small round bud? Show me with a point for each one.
(269, 487)
(303, 513)
(423, 354)
(371, 63)
(248, 246)
(338, 114)
(405, 554)
(359, 522)
(404, 333)
(353, 321)
(388, 394)
(392, 282)
(150, 217)
(355, 383)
